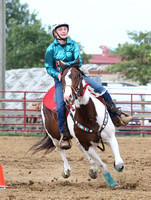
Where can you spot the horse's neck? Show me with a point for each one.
(85, 109)
(89, 110)
(86, 98)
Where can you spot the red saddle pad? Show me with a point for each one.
(49, 100)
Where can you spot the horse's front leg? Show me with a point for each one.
(102, 166)
(118, 164)
(67, 169)
(93, 172)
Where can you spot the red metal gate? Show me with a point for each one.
(15, 119)
(139, 106)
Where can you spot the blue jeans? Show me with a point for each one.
(61, 104)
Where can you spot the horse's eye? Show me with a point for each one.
(76, 77)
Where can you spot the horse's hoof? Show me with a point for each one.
(119, 170)
(93, 174)
(66, 174)
(110, 181)
(115, 187)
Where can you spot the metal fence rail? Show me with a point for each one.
(20, 119)
(17, 118)
(139, 106)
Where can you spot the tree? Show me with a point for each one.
(19, 14)
(26, 39)
(135, 58)
(85, 57)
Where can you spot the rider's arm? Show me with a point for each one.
(49, 63)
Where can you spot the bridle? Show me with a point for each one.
(75, 90)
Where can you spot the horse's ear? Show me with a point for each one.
(61, 64)
(77, 61)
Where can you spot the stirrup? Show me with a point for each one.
(120, 120)
(63, 145)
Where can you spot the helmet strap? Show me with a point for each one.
(60, 38)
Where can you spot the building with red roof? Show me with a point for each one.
(105, 57)
(101, 62)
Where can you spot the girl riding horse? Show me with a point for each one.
(89, 123)
(67, 51)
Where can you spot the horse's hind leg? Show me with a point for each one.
(119, 164)
(50, 117)
(67, 169)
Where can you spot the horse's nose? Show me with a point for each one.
(68, 97)
(68, 93)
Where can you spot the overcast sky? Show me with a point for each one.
(96, 22)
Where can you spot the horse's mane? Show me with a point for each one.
(75, 65)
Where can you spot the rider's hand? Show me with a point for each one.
(59, 77)
(60, 62)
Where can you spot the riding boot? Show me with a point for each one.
(118, 120)
(65, 140)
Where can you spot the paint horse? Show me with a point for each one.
(88, 122)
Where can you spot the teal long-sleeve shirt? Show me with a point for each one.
(67, 53)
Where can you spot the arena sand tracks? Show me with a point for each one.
(38, 177)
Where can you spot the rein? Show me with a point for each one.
(58, 68)
(76, 91)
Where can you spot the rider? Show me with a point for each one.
(67, 51)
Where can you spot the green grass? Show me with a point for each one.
(20, 134)
(129, 135)
(27, 134)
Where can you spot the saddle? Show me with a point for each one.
(50, 103)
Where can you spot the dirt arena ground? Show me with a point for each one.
(39, 178)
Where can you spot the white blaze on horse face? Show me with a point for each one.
(68, 90)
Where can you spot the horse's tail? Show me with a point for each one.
(44, 144)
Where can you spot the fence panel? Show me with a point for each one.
(15, 116)
(139, 106)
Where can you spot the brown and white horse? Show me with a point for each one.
(88, 122)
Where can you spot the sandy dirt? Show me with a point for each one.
(34, 177)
